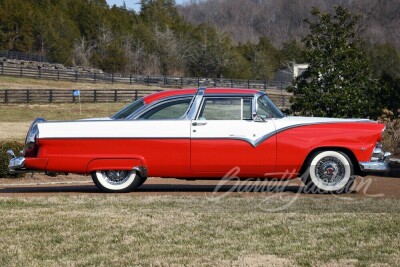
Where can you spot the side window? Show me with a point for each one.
(168, 110)
(226, 108)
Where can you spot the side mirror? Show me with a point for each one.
(257, 118)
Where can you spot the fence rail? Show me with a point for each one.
(161, 81)
(33, 96)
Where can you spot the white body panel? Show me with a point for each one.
(251, 131)
(115, 129)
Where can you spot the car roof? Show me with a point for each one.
(192, 91)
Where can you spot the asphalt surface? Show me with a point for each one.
(41, 185)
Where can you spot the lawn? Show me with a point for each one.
(128, 230)
(70, 111)
(7, 82)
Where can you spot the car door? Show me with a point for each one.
(166, 137)
(224, 136)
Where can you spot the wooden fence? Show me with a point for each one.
(161, 81)
(30, 96)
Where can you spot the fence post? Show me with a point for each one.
(112, 78)
(148, 80)
(181, 82)
(51, 96)
(6, 96)
(115, 95)
(2, 69)
(27, 96)
(165, 80)
(198, 81)
(265, 85)
(136, 94)
(130, 78)
(248, 84)
(95, 96)
(73, 97)
(20, 72)
(94, 77)
(58, 75)
(231, 83)
(215, 82)
(40, 73)
(76, 78)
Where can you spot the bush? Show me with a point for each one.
(391, 137)
(4, 146)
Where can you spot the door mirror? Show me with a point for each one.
(257, 118)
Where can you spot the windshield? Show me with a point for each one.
(128, 110)
(266, 109)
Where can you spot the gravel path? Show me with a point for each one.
(41, 185)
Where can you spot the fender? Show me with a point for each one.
(116, 164)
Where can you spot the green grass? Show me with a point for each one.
(26, 113)
(122, 230)
(9, 82)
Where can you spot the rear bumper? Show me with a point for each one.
(16, 164)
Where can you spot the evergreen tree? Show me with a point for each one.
(338, 81)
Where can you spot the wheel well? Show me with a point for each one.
(346, 151)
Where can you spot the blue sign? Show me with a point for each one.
(76, 93)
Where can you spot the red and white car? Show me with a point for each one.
(203, 134)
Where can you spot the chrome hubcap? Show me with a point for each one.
(116, 177)
(330, 171)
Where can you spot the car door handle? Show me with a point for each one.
(196, 123)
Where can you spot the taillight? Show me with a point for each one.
(32, 139)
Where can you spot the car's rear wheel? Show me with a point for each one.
(329, 171)
(142, 181)
(116, 180)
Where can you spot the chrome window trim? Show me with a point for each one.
(225, 96)
(197, 100)
(161, 102)
(261, 94)
(130, 115)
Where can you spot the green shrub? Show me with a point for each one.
(4, 146)
(391, 136)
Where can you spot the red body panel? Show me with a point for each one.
(215, 158)
(36, 163)
(160, 95)
(164, 94)
(113, 164)
(162, 157)
(277, 156)
(294, 145)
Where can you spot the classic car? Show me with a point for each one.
(203, 134)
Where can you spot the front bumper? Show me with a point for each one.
(16, 164)
(379, 162)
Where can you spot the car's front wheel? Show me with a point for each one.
(329, 171)
(116, 180)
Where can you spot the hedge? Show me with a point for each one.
(4, 146)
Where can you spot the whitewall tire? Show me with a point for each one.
(329, 171)
(116, 181)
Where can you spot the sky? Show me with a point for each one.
(133, 3)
